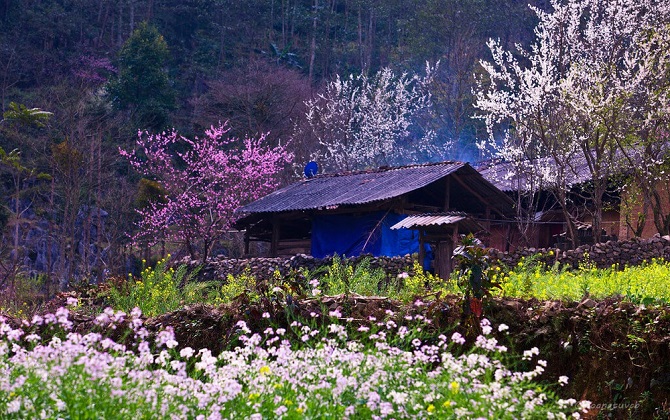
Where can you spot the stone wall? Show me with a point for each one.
(602, 255)
(622, 253)
(218, 268)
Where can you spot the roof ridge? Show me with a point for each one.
(386, 168)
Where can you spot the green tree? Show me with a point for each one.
(142, 84)
(24, 179)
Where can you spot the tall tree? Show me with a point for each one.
(142, 84)
(260, 97)
(646, 143)
(24, 179)
(363, 121)
(562, 103)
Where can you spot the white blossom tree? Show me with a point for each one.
(564, 105)
(646, 147)
(362, 121)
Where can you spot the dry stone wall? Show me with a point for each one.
(218, 268)
(602, 255)
(607, 254)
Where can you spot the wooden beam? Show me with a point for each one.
(475, 193)
(419, 208)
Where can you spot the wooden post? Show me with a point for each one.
(422, 251)
(276, 231)
(454, 241)
(246, 242)
(447, 194)
(508, 235)
(487, 225)
(443, 254)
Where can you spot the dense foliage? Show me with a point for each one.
(583, 103)
(108, 69)
(645, 284)
(203, 181)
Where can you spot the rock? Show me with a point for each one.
(587, 303)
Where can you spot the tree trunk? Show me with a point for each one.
(599, 188)
(360, 37)
(661, 221)
(50, 279)
(17, 217)
(131, 11)
(312, 48)
(119, 35)
(98, 203)
(561, 197)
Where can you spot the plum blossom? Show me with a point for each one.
(216, 176)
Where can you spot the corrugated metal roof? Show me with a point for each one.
(438, 219)
(428, 219)
(504, 176)
(330, 191)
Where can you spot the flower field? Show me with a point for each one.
(346, 342)
(303, 371)
(647, 283)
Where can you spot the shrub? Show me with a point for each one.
(158, 290)
(341, 277)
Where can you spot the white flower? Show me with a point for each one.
(528, 354)
(186, 352)
(457, 338)
(13, 406)
(584, 405)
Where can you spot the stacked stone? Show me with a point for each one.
(607, 254)
(218, 268)
(602, 255)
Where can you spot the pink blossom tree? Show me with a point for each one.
(204, 180)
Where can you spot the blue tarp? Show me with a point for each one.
(350, 235)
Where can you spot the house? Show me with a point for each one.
(387, 211)
(545, 224)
